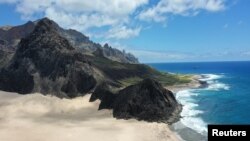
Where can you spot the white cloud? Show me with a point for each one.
(159, 12)
(123, 32)
(116, 16)
(147, 56)
(83, 14)
(83, 21)
(107, 7)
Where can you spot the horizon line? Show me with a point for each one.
(197, 62)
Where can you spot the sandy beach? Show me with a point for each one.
(36, 117)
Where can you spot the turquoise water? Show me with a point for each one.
(225, 101)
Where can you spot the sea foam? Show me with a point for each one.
(213, 83)
(190, 113)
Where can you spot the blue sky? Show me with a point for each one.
(153, 30)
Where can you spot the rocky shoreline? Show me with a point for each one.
(147, 100)
(48, 63)
(108, 98)
(179, 128)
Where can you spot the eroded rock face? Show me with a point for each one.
(147, 100)
(11, 36)
(104, 93)
(45, 62)
(5, 56)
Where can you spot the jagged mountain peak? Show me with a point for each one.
(44, 38)
(46, 62)
(5, 28)
(46, 25)
(11, 38)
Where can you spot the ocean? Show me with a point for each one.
(225, 101)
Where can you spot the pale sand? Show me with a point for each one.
(44, 118)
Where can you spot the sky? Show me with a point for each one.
(152, 30)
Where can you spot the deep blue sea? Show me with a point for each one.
(225, 101)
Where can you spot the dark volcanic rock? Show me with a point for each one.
(104, 93)
(5, 55)
(2, 42)
(203, 84)
(11, 36)
(148, 101)
(117, 55)
(45, 62)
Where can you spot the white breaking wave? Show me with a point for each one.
(209, 77)
(190, 113)
(213, 83)
(217, 86)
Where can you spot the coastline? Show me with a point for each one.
(184, 132)
(195, 83)
(66, 119)
(45, 118)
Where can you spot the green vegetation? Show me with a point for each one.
(165, 79)
(129, 74)
(130, 81)
(172, 79)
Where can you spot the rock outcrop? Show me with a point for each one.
(104, 93)
(12, 35)
(147, 100)
(45, 62)
(117, 55)
(5, 56)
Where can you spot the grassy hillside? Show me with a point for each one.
(165, 79)
(127, 74)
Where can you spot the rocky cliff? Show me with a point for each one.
(48, 62)
(10, 37)
(5, 56)
(45, 62)
(148, 100)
